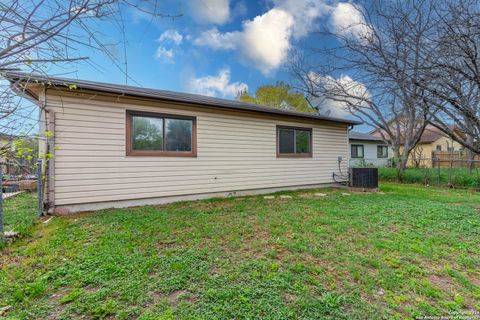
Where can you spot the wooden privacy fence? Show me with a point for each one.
(454, 159)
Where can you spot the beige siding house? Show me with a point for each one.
(119, 146)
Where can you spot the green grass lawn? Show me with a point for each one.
(412, 251)
(20, 213)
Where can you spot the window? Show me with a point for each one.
(152, 134)
(439, 147)
(294, 142)
(357, 150)
(382, 152)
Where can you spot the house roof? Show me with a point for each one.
(430, 134)
(354, 135)
(166, 96)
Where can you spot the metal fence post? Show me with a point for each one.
(2, 226)
(39, 188)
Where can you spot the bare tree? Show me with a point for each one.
(452, 75)
(36, 34)
(417, 156)
(373, 70)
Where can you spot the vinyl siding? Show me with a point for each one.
(235, 151)
(370, 154)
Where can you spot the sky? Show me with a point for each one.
(209, 47)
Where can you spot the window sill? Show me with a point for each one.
(285, 155)
(161, 154)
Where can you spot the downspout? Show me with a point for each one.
(349, 128)
(47, 115)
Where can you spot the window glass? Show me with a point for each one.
(302, 141)
(151, 134)
(357, 151)
(286, 141)
(178, 135)
(147, 133)
(382, 152)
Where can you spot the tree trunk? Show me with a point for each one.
(403, 160)
(402, 164)
(399, 163)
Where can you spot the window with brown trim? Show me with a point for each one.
(294, 142)
(155, 134)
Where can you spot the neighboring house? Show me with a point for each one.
(435, 140)
(119, 146)
(432, 140)
(367, 150)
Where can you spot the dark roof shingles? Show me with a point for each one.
(354, 135)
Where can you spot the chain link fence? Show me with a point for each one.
(442, 171)
(21, 201)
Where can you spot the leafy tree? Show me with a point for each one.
(19, 153)
(147, 133)
(278, 96)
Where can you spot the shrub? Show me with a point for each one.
(459, 177)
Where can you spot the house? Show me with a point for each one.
(368, 150)
(120, 146)
(433, 140)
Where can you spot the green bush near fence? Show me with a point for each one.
(460, 177)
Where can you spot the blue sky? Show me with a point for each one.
(216, 47)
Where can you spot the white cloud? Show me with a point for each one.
(304, 12)
(264, 41)
(164, 55)
(334, 89)
(216, 40)
(347, 19)
(171, 35)
(210, 11)
(218, 85)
